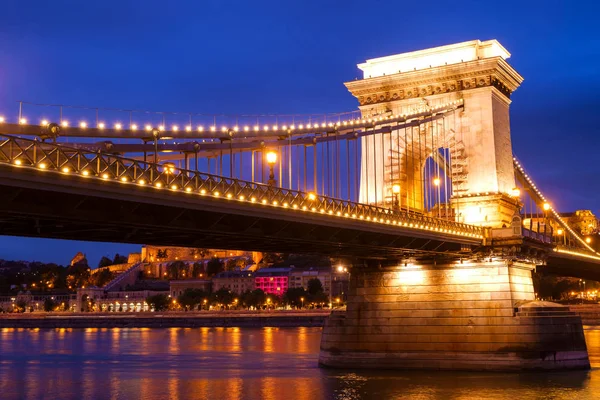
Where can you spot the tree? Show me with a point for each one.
(255, 298)
(296, 296)
(315, 286)
(119, 259)
(104, 262)
(49, 305)
(191, 298)
(319, 298)
(159, 301)
(103, 277)
(78, 275)
(222, 296)
(214, 266)
(20, 306)
(273, 258)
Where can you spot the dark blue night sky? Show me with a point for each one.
(292, 57)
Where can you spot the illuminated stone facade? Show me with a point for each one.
(474, 74)
(455, 316)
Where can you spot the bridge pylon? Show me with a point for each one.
(476, 139)
(476, 312)
(455, 315)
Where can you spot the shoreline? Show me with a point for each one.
(165, 319)
(590, 316)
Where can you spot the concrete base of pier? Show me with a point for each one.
(480, 316)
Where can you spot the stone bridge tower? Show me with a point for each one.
(478, 138)
(453, 311)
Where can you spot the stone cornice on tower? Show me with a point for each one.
(486, 72)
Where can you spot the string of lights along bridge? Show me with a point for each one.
(306, 168)
(326, 164)
(319, 157)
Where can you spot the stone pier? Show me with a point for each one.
(459, 316)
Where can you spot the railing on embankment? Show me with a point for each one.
(249, 319)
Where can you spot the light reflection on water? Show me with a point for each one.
(240, 363)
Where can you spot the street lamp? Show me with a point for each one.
(396, 192)
(436, 183)
(271, 160)
(341, 268)
(302, 301)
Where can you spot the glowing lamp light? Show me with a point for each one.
(148, 127)
(396, 188)
(515, 192)
(118, 126)
(22, 121)
(436, 181)
(174, 187)
(588, 240)
(101, 125)
(133, 127)
(142, 182)
(18, 162)
(271, 157)
(1, 120)
(65, 170)
(312, 196)
(188, 128)
(42, 165)
(83, 124)
(105, 176)
(546, 206)
(124, 179)
(44, 122)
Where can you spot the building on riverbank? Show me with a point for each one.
(35, 301)
(236, 282)
(176, 288)
(274, 281)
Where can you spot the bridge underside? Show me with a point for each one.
(571, 266)
(36, 205)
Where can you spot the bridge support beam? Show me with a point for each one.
(459, 316)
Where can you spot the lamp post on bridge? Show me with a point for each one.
(436, 183)
(396, 196)
(271, 160)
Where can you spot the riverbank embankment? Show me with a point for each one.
(166, 319)
(589, 313)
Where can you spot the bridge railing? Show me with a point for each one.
(26, 153)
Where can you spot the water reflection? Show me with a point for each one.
(234, 363)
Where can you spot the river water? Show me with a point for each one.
(235, 363)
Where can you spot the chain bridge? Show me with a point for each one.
(419, 190)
